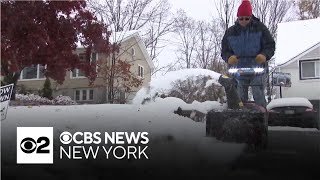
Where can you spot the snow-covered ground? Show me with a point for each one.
(173, 138)
(156, 118)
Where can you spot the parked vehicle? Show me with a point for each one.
(294, 111)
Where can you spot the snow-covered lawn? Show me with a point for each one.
(171, 136)
(174, 140)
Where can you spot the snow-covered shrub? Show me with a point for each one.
(36, 100)
(196, 88)
(31, 99)
(162, 84)
(63, 100)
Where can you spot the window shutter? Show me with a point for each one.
(138, 70)
(142, 73)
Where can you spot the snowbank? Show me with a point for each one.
(171, 104)
(205, 106)
(173, 138)
(162, 84)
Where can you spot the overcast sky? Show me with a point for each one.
(198, 10)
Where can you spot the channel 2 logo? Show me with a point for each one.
(34, 145)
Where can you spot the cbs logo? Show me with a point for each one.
(29, 145)
(65, 137)
(80, 137)
(34, 145)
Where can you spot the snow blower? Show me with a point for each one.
(242, 122)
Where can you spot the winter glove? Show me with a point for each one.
(260, 58)
(233, 60)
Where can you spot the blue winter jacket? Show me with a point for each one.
(247, 42)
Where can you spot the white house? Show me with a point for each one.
(298, 53)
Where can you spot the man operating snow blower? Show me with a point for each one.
(246, 47)
(248, 44)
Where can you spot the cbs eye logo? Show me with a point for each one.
(29, 145)
(34, 145)
(65, 137)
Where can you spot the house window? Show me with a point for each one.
(84, 94)
(77, 98)
(140, 71)
(133, 52)
(76, 73)
(120, 97)
(310, 69)
(33, 72)
(91, 94)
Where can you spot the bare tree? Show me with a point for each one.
(205, 45)
(271, 12)
(217, 63)
(226, 12)
(151, 17)
(226, 17)
(185, 28)
(119, 80)
(157, 29)
(308, 9)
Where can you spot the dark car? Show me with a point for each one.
(294, 112)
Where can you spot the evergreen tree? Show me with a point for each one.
(46, 90)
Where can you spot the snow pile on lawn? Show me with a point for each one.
(171, 104)
(163, 84)
(172, 137)
(292, 101)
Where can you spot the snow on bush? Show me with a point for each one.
(63, 100)
(163, 85)
(195, 88)
(32, 99)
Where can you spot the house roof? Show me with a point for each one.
(122, 36)
(135, 34)
(294, 38)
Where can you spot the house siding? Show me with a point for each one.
(309, 88)
(71, 84)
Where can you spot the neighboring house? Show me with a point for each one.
(298, 53)
(76, 86)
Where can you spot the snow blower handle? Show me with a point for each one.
(254, 70)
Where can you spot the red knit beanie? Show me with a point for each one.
(245, 9)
